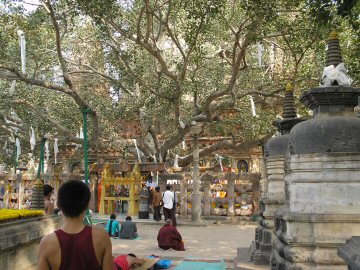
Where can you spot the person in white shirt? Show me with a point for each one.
(169, 199)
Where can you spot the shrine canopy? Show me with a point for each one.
(122, 182)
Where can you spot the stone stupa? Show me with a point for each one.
(322, 172)
(273, 184)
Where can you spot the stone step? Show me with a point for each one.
(246, 265)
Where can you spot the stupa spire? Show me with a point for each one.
(334, 72)
(333, 54)
(289, 116)
(289, 110)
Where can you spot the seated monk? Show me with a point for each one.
(169, 237)
(126, 262)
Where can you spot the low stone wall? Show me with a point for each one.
(19, 241)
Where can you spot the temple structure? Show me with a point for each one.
(322, 178)
(273, 184)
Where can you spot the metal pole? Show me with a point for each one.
(85, 111)
(196, 195)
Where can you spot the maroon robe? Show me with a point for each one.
(169, 237)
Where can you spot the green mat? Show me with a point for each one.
(197, 264)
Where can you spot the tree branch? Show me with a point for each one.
(153, 51)
(58, 45)
(57, 125)
(235, 70)
(225, 145)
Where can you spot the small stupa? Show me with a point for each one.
(334, 72)
(273, 183)
(333, 53)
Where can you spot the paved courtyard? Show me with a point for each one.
(211, 241)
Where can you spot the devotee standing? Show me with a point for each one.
(144, 203)
(113, 227)
(75, 246)
(169, 200)
(128, 229)
(49, 206)
(169, 237)
(156, 203)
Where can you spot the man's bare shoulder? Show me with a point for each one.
(49, 243)
(49, 239)
(99, 233)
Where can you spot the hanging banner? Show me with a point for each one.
(47, 152)
(32, 139)
(18, 149)
(56, 149)
(253, 111)
(22, 51)
(12, 88)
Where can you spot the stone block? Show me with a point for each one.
(350, 252)
(322, 229)
(324, 183)
(277, 262)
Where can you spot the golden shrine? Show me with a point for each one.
(107, 187)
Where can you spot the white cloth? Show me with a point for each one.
(168, 199)
(338, 74)
(150, 184)
(32, 139)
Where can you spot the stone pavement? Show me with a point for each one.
(205, 241)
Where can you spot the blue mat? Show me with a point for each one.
(197, 264)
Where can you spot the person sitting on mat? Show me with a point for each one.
(128, 229)
(169, 237)
(113, 227)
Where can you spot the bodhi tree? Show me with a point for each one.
(164, 64)
(47, 96)
(181, 62)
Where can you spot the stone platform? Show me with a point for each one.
(19, 241)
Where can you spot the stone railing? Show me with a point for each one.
(19, 241)
(248, 183)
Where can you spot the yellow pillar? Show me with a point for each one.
(102, 199)
(135, 179)
(132, 202)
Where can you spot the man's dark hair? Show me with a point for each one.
(168, 187)
(157, 188)
(112, 216)
(132, 255)
(73, 198)
(47, 189)
(128, 218)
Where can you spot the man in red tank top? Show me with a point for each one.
(75, 246)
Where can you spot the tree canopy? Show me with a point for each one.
(164, 64)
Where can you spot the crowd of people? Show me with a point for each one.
(61, 249)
